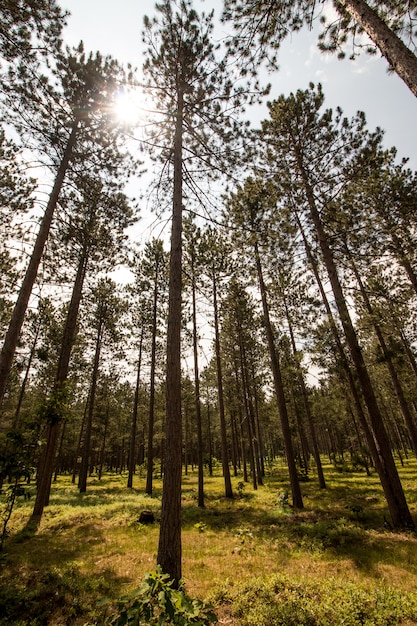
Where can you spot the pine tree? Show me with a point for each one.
(198, 102)
(262, 26)
(296, 136)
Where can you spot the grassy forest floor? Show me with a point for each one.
(255, 559)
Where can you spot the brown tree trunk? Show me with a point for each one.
(169, 547)
(408, 418)
(389, 477)
(19, 311)
(53, 428)
(82, 479)
(151, 417)
(223, 430)
(297, 499)
(306, 403)
(390, 45)
(133, 429)
(197, 398)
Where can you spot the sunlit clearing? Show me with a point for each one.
(128, 106)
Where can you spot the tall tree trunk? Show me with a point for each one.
(306, 403)
(59, 392)
(169, 547)
(151, 417)
(297, 499)
(19, 311)
(391, 46)
(133, 429)
(389, 477)
(82, 480)
(223, 430)
(405, 409)
(197, 397)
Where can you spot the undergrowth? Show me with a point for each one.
(342, 563)
(283, 601)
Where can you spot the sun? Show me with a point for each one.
(128, 106)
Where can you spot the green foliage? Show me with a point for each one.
(283, 500)
(283, 601)
(157, 602)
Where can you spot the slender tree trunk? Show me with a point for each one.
(391, 46)
(306, 403)
(151, 419)
(169, 547)
(133, 429)
(19, 311)
(248, 424)
(297, 499)
(82, 480)
(222, 415)
(103, 443)
(197, 398)
(53, 428)
(390, 480)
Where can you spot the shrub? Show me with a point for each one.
(156, 602)
(283, 601)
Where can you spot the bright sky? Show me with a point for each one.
(114, 27)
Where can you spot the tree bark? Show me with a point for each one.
(390, 45)
(169, 547)
(53, 428)
(197, 396)
(223, 430)
(306, 403)
(82, 480)
(19, 311)
(151, 419)
(408, 418)
(394, 494)
(297, 499)
(133, 430)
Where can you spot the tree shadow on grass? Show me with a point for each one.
(46, 581)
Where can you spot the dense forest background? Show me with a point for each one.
(275, 319)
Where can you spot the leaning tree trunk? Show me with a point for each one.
(403, 61)
(169, 547)
(297, 499)
(58, 393)
(390, 480)
(19, 311)
(405, 409)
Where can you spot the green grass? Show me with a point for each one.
(334, 554)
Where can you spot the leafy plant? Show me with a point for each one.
(156, 602)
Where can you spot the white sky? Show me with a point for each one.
(114, 27)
